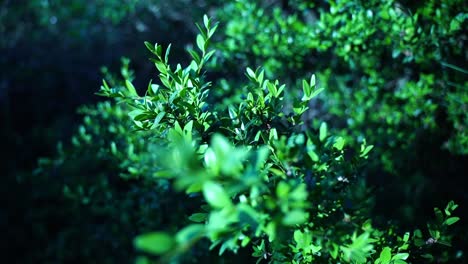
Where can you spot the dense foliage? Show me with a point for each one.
(393, 73)
(218, 161)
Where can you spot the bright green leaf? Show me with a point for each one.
(323, 131)
(250, 73)
(154, 243)
(312, 80)
(385, 255)
(201, 43)
(339, 143)
(131, 88)
(452, 220)
(295, 217)
(215, 195)
(402, 256)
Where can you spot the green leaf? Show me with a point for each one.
(198, 217)
(195, 56)
(453, 206)
(130, 88)
(158, 49)
(201, 43)
(273, 134)
(282, 190)
(295, 217)
(299, 193)
(166, 56)
(152, 88)
(385, 255)
(260, 76)
(189, 233)
(417, 233)
(161, 68)
(271, 88)
(313, 155)
(427, 256)
(402, 256)
(439, 215)
(257, 136)
(232, 113)
(133, 114)
(250, 97)
(316, 92)
(450, 207)
(334, 251)
(339, 143)
(312, 80)
(306, 89)
(155, 243)
(245, 241)
(212, 30)
(215, 195)
(315, 248)
(149, 46)
(280, 90)
(323, 131)
(366, 150)
(261, 157)
(434, 233)
(194, 188)
(220, 145)
(250, 73)
(206, 21)
(113, 148)
(456, 23)
(208, 55)
(270, 230)
(302, 239)
(451, 220)
(406, 237)
(158, 119)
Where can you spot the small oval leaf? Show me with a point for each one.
(452, 220)
(323, 131)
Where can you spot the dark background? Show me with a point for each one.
(51, 53)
